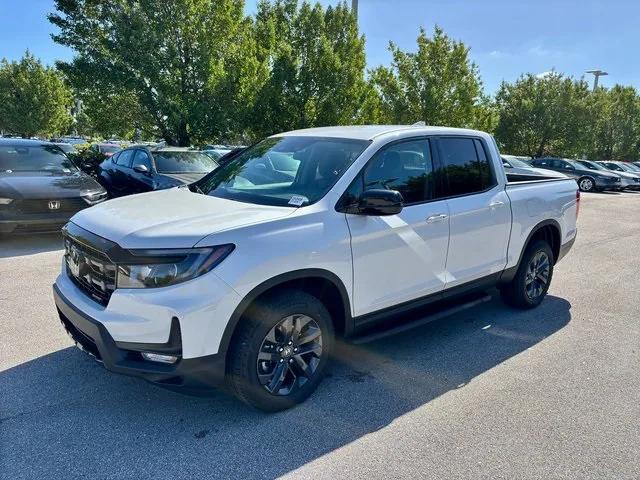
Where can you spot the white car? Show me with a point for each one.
(249, 274)
(630, 178)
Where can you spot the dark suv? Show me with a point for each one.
(588, 180)
(141, 169)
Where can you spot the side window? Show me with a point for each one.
(405, 167)
(466, 166)
(142, 158)
(125, 158)
(542, 163)
(558, 164)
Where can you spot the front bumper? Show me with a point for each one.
(188, 375)
(33, 223)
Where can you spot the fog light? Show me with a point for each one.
(157, 357)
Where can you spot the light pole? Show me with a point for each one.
(354, 8)
(596, 75)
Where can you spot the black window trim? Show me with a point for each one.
(443, 183)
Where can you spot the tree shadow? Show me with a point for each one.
(63, 414)
(21, 245)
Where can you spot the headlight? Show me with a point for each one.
(5, 201)
(94, 197)
(161, 268)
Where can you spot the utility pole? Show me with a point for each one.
(596, 75)
(354, 8)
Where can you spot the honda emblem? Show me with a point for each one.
(54, 205)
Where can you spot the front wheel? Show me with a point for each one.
(586, 184)
(280, 351)
(531, 282)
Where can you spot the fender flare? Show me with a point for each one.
(508, 274)
(306, 273)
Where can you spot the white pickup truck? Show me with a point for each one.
(247, 276)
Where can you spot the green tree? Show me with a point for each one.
(189, 64)
(438, 84)
(614, 124)
(314, 62)
(33, 98)
(543, 116)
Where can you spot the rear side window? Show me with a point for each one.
(466, 166)
(124, 158)
(405, 167)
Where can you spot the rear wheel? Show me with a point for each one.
(280, 351)
(531, 282)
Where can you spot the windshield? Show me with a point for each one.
(109, 148)
(34, 158)
(626, 167)
(613, 166)
(284, 171)
(591, 165)
(632, 168)
(183, 162)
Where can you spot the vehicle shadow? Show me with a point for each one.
(20, 245)
(63, 414)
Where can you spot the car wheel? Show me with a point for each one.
(531, 282)
(280, 351)
(586, 184)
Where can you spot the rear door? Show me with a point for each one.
(479, 211)
(401, 257)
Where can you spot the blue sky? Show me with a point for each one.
(507, 38)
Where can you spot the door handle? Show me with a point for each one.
(437, 218)
(496, 204)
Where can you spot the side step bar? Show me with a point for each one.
(421, 321)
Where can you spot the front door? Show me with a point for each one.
(399, 258)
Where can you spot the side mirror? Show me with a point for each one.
(380, 202)
(140, 168)
(506, 165)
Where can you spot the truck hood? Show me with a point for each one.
(48, 185)
(174, 218)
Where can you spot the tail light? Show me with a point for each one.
(577, 203)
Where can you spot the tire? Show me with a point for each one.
(264, 331)
(522, 292)
(586, 184)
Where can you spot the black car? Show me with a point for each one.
(589, 180)
(141, 169)
(40, 188)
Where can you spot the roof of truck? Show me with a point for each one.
(369, 132)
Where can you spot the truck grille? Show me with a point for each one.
(90, 270)
(56, 205)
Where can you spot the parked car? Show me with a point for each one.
(107, 149)
(514, 167)
(251, 272)
(637, 164)
(143, 168)
(630, 178)
(589, 180)
(40, 188)
(632, 167)
(626, 182)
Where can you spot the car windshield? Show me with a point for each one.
(183, 162)
(632, 168)
(34, 158)
(626, 167)
(613, 166)
(66, 147)
(109, 148)
(592, 165)
(283, 171)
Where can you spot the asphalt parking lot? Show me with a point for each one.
(487, 393)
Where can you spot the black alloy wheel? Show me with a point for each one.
(289, 354)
